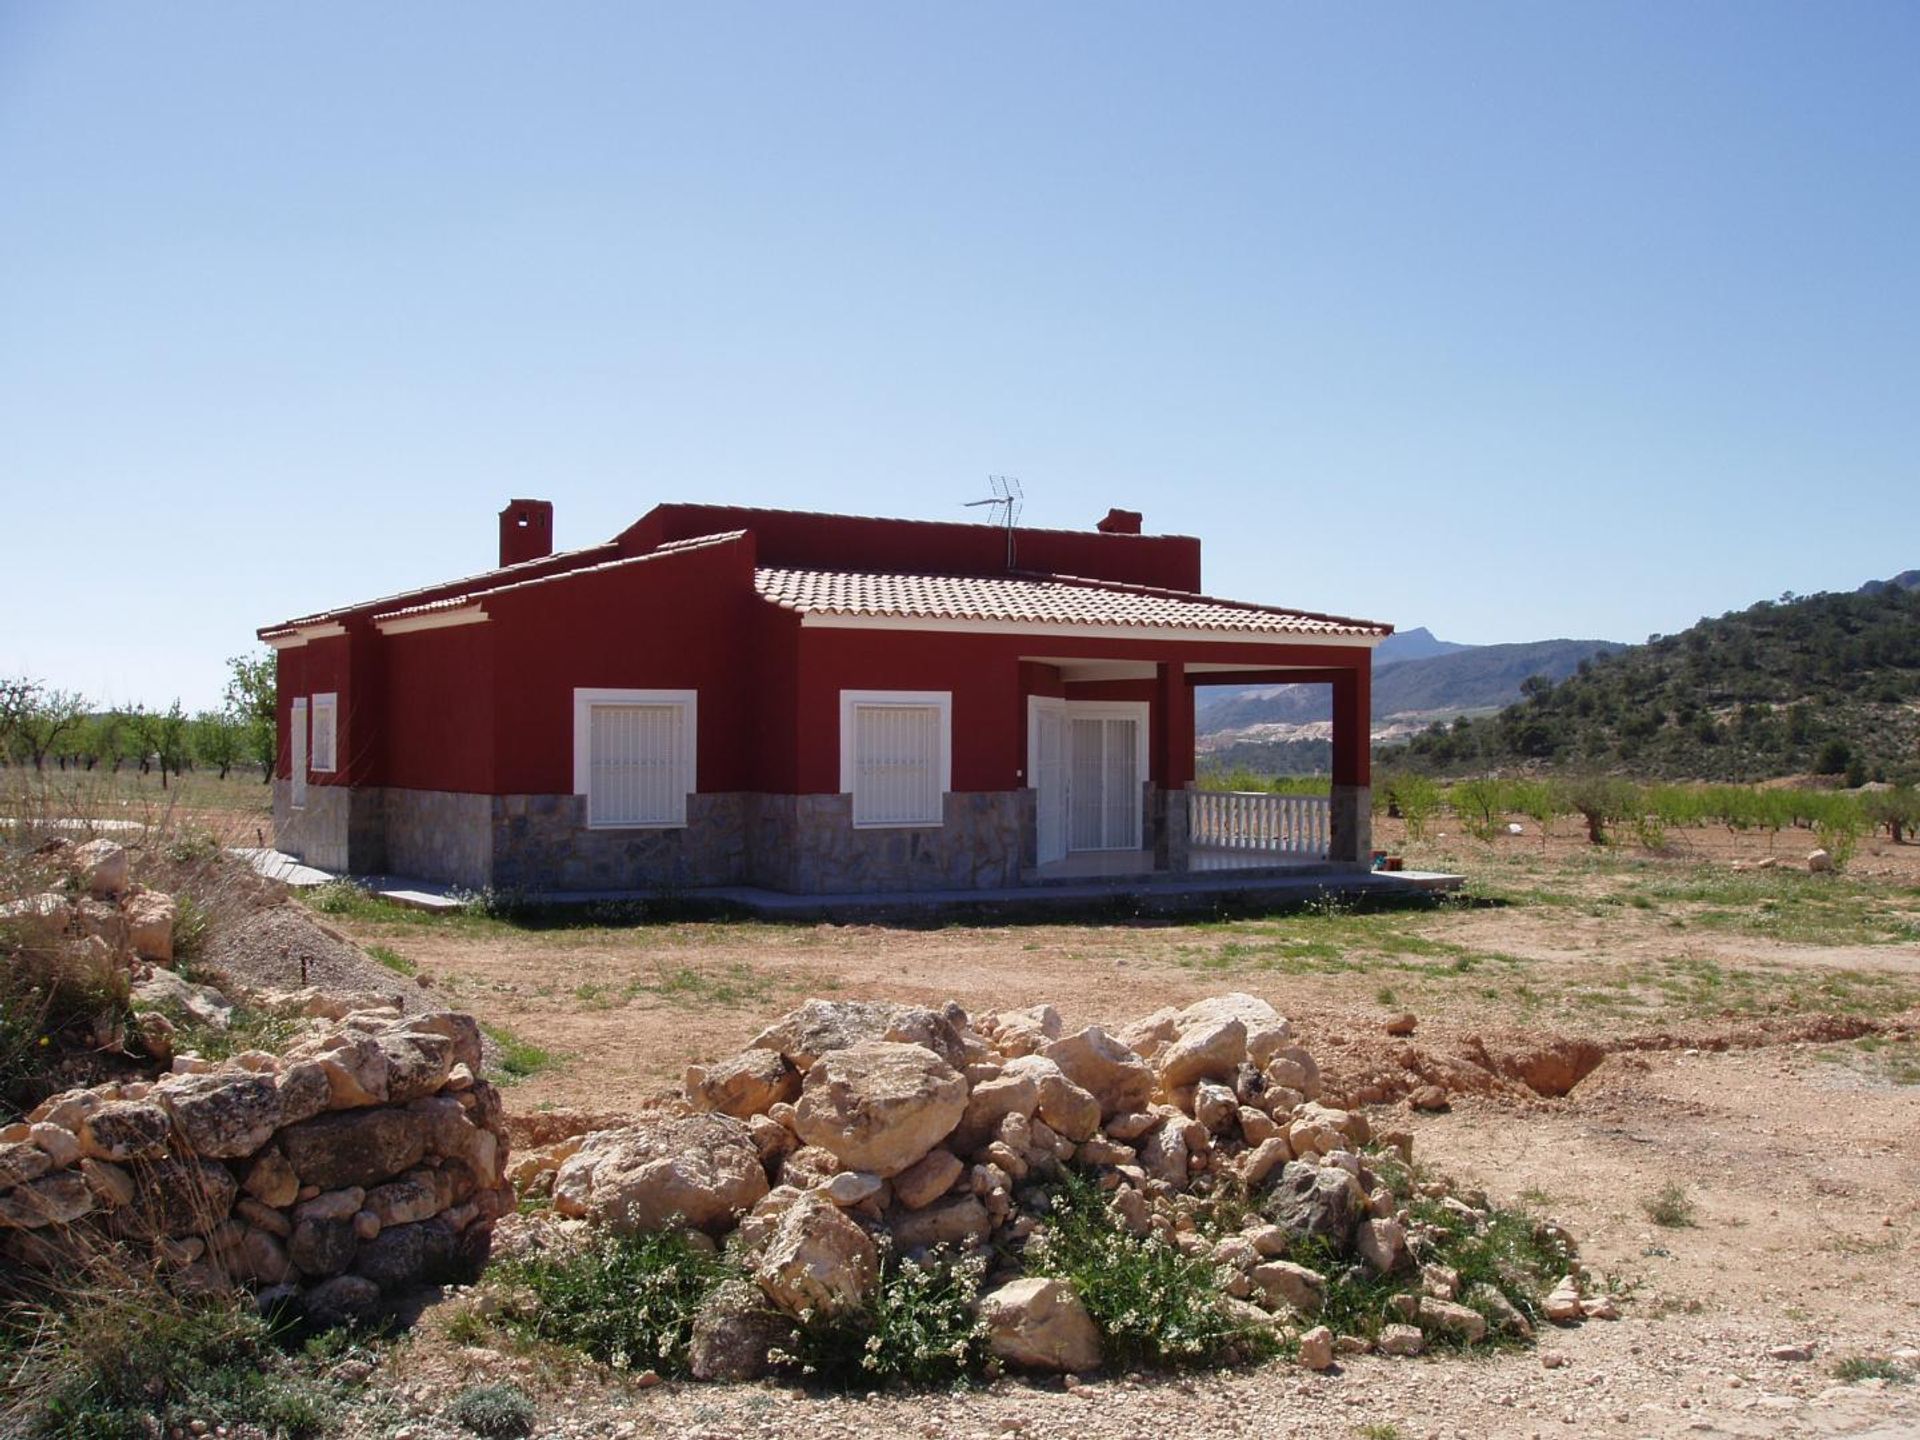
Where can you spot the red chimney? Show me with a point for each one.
(1120, 522)
(526, 531)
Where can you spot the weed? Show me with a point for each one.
(1671, 1206)
(1856, 1368)
(1153, 1305)
(129, 1359)
(1378, 1430)
(919, 1329)
(519, 1059)
(500, 1412)
(628, 1301)
(392, 959)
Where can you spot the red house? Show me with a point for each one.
(818, 704)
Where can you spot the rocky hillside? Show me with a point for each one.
(1822, 683)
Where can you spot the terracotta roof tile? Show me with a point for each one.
(1037, 599)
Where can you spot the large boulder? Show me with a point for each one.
(880, 1105)
(1267, 1030)
(957, 1224)
(354, 1147)
(989, 1102)
(817, 1261)
(52, 1200)
(125, 1130)
(927, 1179)
(1119, 1079)
(701, 1171)
(151, 917)
(164, 990)
(1066, 1107)
(1315, 1200)
(223, 1116)
(1023, 1032)
(820, 1027)
(1040, 1324)
(404, 1255)
(175, 1195)
(418, 1063)
(749, 1083)
(1206, 1050)
(735, 1333)
(101, 867)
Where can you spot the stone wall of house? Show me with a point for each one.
(541, 842)
(441, 835)
(340, 827)
(1167, 829)
(803, 844)
(1350, 824)
(808, 845)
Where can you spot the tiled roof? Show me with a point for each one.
(469, 597)
(561, 562)
(1040, 600)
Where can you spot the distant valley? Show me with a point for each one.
(1418, 679)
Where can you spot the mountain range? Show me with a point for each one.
(1417, 679)
(1828, 684)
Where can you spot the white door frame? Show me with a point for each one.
(1139, 711)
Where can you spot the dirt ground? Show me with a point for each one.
(1754, 1033)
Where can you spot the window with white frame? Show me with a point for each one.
(297, 756)
(326, 710)
(896, 755)
(633, 755)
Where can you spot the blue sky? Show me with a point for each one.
(1509, 320)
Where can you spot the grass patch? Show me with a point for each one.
(733, 984)
(1671, 1207)
(519, 1059)
(1153, 1306)
(627, 1301)
(113, 1363)
(392, 959)
(1889, 1062)
(1508, 1256)
(500, 1411)
(1856, 1368)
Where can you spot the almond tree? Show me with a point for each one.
(52, 714)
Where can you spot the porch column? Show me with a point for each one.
(1351, 816)
(1171, 749)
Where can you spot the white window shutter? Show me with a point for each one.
(894, 756)
(634, 756)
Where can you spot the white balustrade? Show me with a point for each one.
(1258, 822)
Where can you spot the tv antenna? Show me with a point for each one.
(1008, 497)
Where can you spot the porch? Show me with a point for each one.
(1226, 831)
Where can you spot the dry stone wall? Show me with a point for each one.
(368, 1156)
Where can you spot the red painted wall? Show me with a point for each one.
(796, 540)
(439, 709)
(316, 668)
(679, 622)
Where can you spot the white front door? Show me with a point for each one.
(1086, 762)
(1047, 765)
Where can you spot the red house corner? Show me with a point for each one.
(816, 704)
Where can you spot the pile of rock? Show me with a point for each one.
(367, 1157)
(848, 1126)
(107, 918)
